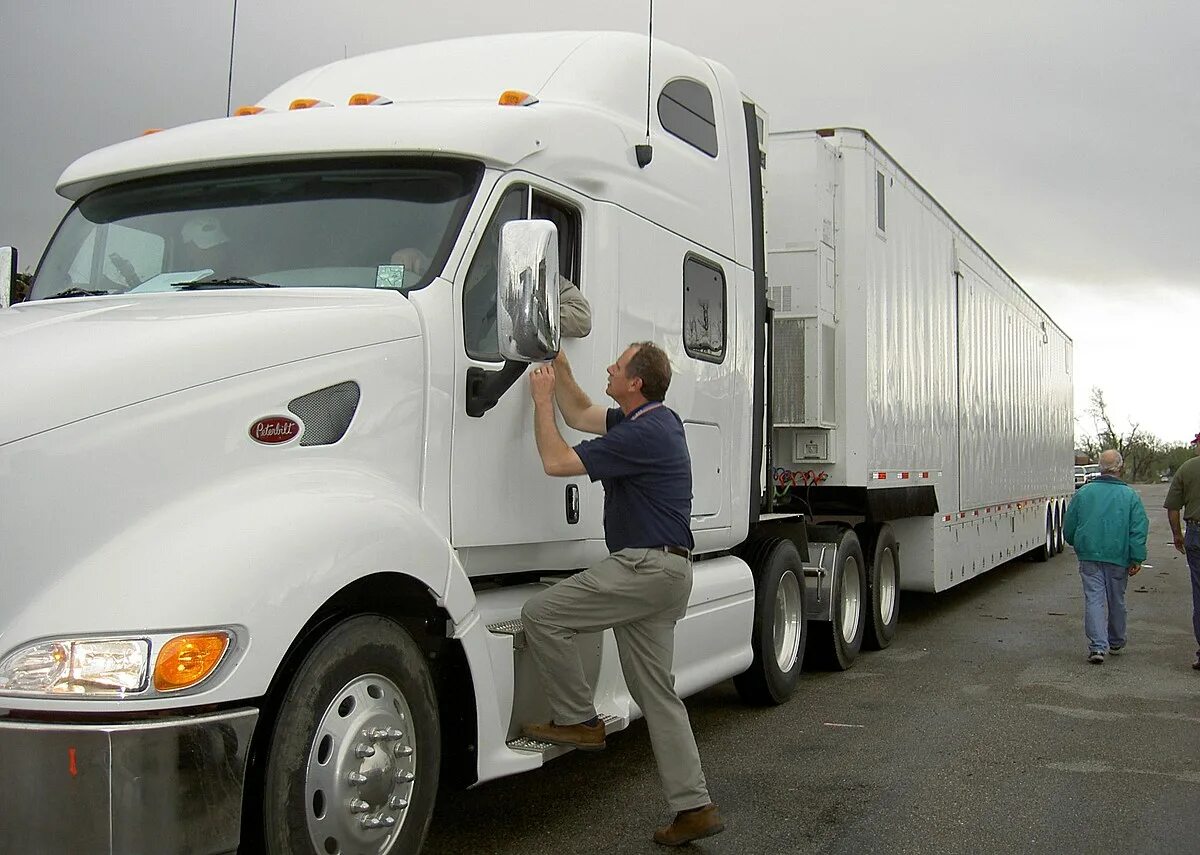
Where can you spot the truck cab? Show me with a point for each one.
(280, 499)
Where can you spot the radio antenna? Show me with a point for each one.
(644, 152)
(232, 36)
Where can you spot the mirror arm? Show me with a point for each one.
(485, 388)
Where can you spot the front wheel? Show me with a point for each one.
(780, 629)
(352, 765)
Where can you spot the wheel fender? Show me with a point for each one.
(261, 555)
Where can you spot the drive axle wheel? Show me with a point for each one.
(883, 590)
(780, 629)
(835, 643)
(352, 766)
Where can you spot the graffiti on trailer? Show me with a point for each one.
(785, 478)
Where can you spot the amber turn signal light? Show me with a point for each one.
(186, 660)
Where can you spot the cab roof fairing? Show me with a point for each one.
(498, 136)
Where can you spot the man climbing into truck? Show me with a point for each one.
(641, 589)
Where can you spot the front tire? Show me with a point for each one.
(352, 765)
(835, 643)
(780, 629)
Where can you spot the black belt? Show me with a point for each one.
(681, 551)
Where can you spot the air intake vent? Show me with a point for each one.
(326, 413)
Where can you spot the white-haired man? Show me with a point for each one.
(1107, 524)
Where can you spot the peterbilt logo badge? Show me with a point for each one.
(274, 430)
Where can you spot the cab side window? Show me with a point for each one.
(703, 310)
(479, 291)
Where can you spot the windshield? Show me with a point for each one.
(356, 225)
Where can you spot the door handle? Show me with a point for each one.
(572, 504)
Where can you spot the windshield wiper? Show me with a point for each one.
(230, 282)
(77, 292)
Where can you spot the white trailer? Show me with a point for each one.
(277, 500)
(917, 388)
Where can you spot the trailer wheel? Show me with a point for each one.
(352, 765)
(1046, 551)
(835, 643)
(883, 590)
(780, 627)
(1060, 541)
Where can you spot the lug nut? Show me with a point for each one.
(378, 821)
(356, 778)
(403, 777)
(402, 750)
(396, 802)
(363, 750)
(359, 806)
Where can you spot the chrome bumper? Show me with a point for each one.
(171, 785)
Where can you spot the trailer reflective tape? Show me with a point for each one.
(904, 476)
(880, 476)
(924, 474)
(946, 518)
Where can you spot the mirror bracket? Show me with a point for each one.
(485, 388)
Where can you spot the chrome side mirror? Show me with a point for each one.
(8, 274)
(527, 291)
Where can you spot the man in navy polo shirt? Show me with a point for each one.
(641, 590)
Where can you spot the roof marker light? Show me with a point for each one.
(368, 99)
(516, 98)
(308, 103)
(150, 131)
(249, 110)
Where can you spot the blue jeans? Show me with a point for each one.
(1191, 545)
(1104, 604)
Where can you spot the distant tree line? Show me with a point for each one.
(1147, 458)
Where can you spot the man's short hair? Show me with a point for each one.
(1111, 461)
(651, 365)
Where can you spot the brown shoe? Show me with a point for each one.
(691, 825)
(584, 736)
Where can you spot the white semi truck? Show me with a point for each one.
(272, 500)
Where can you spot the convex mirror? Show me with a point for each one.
(527, 291)
(8, 275)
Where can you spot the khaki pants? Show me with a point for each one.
(640, 594)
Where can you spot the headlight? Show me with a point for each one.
(116, 667)
(102, 667)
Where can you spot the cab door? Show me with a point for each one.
(506, 513)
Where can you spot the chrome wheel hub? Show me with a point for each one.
(851, 600)
(789, 605)
(361, 768)
(888, 584)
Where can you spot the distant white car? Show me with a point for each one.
(1080, 477)
(1091, 472)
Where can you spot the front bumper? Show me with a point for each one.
(171, 785)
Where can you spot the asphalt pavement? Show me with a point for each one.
(982, 729)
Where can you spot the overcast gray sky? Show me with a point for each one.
(1061, 133)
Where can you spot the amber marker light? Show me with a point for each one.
(186, 660)
(516, 98)
(249, 110)
(308, 103)
(368, 99)
(150, 131)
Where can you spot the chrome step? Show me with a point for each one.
(524, 743)
(507, 627)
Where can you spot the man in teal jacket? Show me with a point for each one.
(1107, 524)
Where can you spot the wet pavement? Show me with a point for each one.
(981, 729)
